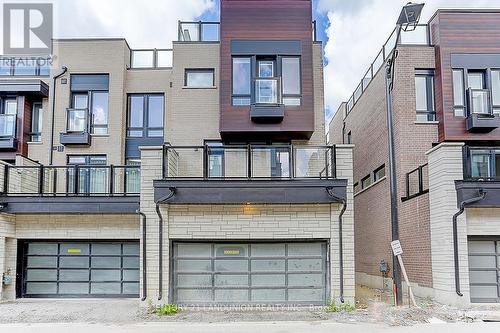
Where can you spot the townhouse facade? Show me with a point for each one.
(447, 138)
(194, 175)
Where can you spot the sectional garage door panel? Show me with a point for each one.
(484, 270)
(80, 269)
(244, 273)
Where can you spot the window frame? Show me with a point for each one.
(36, 136)
(491, 152)
(430, 111)
(495, 107)
(198, 70)
(462, 107)
(145, 129)
(364, 179)
(242, 96)
(376, 178)
(89, 108)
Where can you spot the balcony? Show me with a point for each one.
(268, 105)
(480, 117)
(8, 139)
(198, 31)
(28, 66)
(151, 58)
(70, 188)
(250, 174)
(77, 127)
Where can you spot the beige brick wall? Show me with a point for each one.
(193, 112)
(445, 166)
(247, 222)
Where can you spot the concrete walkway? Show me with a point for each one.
(251, 327)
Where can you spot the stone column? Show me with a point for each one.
(446, 166)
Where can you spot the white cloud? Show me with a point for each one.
(145, 24)
(356, 34)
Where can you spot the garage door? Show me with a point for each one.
(80, 269)
(484, 266)
(243, 273)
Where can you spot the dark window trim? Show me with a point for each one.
(428, 74)
(252, 69)
(369, 177)
(382, 167)
(198, 70)
(145, 116)
(467, 162)
(37, 134)
(422, 188)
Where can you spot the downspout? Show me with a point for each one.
(463, 204)
(160, 239)
(54, 81)
(144, 283)
(341, 250)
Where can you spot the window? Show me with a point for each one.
(266, 68)
(199, 78)
(379, 173)
(145, 115)
(424, 93)
(485, 163)
(89, 97)
(365, 182)
(495, 90)
(241, 81)
(290, 72)
(458, 93)
(356, 187)
(90, 177)
(36, 122)
(8, 117)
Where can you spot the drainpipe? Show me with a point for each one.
(341, 250)
(160, 239)
(54, 81)
(463, 204)
(144, 285)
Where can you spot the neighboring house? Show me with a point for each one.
(219, 143)
(447, 146)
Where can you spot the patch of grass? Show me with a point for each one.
(332, 306)
(348, 307)
(167, 310)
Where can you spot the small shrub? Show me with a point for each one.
(331, 306)
(167, 310)
(348, 307)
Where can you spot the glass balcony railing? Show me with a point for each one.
(268, 91)
(151, 58)
(8, 125)
(77, 120)
(249, 162)
(199, 31)
(479, 100)
(81, 180)
(16, 66)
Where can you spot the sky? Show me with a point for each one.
(352, 31)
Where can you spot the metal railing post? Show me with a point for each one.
(420, 180)
(76, 180)
(292, 163)
(40, 179)
(55, 182)
(111, 179)
(200, 31)
(249, 162)
(6, 179)
(334, 161)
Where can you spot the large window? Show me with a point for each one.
(36, 122)
(90, 178)
(145, 115)
(199, 78)
(458, 93)
(241, 81)
(485, 163)
(290, 75)
(495, 90)
(8, 116)
(89, 103)
(424, 93)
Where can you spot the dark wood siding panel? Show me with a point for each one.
(266, 20)
(460, 32)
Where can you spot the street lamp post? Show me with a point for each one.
(408, 20)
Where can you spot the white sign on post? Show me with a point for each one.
(396, 248)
